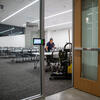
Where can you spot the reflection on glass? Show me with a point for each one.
(89, 38)
(19, 58)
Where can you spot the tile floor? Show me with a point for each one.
(72, 94)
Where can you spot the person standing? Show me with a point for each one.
(50, 45)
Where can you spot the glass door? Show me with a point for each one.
(89, 39)
(87, 46)
(21, 61)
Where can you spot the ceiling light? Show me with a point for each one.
(90, 13)
(7, 30)
(35, 21)
(32, 3)
(54, 15)
(68, 11)
(59, 24)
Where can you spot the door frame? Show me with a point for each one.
(73, 43)
(42, 36)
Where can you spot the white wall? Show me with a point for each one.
(60, 37)
(12, 41)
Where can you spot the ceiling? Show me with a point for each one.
(31, 13)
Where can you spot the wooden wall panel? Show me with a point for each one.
(77, 23)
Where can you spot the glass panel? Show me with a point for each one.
(19, 58)
(89, 38)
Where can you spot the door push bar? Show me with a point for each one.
(88, 49)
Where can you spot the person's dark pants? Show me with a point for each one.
(49, 58)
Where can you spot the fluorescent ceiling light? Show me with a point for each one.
(54, 15)
(35, 21)
(58, 24)
(90, 13)
(7, 30)
(68, 11)
(32, 3)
